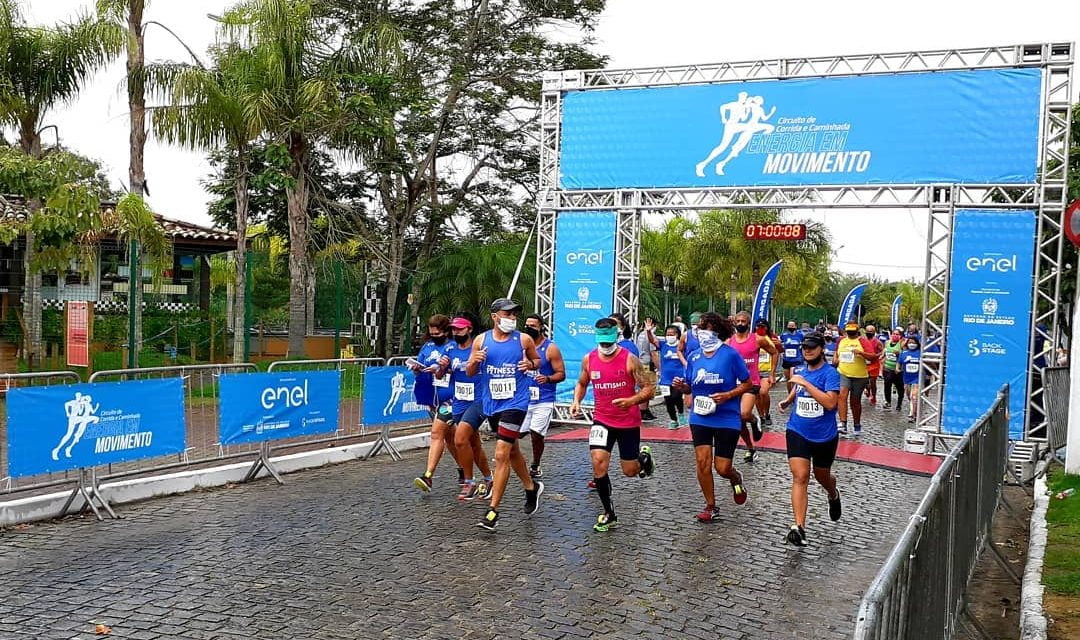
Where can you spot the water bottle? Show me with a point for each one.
(1061, 495)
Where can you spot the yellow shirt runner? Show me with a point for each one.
(851, 364)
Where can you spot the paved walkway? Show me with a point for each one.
(352, 551)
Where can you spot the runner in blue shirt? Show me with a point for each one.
(626, 334)
(791, 343)
(432, 389)
(672, 365)
(909, 365)
(812, 436)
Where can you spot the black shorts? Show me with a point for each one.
(791, 364)
(723, 441)
(508, 425)
(754, 391)
(628, 439)
(820, 454)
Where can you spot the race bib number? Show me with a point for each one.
(704, 405)
(763, 358)
(442, 383)
(808, 408)
(890, 357)
(534, 394)
(665, 390)
(598, 436)
(847, 357)
(911, 367)
(464, 391)
(791, 354)
(502, 388)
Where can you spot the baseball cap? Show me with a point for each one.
(504, 304)
(851, 326)
(812, 340)
(460, 323)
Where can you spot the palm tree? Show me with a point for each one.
(467, 276)
(296, 99)
(44, 67)
(205, 109)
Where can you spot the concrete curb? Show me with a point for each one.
(45, 507)
(1032, 614)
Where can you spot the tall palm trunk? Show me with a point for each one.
(296, 196)
(30, 143)
(137, 142)
(239, 314)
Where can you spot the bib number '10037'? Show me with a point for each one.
(704, 405)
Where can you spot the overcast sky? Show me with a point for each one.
(632, 33)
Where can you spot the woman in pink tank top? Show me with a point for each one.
(749, 345)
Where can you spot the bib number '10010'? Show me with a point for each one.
(464, 391)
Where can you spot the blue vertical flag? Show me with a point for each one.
(763, 296)
(851, 304)
(894, 317)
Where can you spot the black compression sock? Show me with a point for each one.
(603, 489)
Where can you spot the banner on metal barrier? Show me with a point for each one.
(989, 324)
(59, 428)
(584, 288)
(388, 397)
(256, 407)
(979, 126)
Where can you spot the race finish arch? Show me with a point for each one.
(978, 137)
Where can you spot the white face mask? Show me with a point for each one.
(708, 339)
(608, 350)
(507, 324)
(671, 340)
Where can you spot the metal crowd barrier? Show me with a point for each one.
(920, 591)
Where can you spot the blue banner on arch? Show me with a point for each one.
(976, 127)
(989, 325)
(60, 428)
(584, 286)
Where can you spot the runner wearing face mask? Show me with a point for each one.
(909, 364)
(748, 346)
(873, 368)
(790, 341)
(689, 343)
(894, 379)
(767, 369)
(850, 360)
(432, 388)
(468, 409)
(812, 437)
(672, 365)
(614, 374)
(542, 389)
(626, 334)
(830, 348)
(716, 378)
(502, 357)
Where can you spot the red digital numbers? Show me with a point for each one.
(777, 231)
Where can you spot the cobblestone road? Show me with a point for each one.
(352, 551)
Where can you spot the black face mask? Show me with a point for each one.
(532, 333)
(461, 339)
(742, 328)
(852, 334)
(813, 362)
(791, 329)
(439, 340)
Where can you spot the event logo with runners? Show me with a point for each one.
(68, 427)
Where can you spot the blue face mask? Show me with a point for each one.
(708, 339)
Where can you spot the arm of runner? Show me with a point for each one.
(643, 379)
(531, 361)
(786, 402)
(827, 399)
(555, 359)
(766, 343)
(579, 387)
(477, 357)
(744, 387)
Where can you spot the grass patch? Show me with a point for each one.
(1061, 571)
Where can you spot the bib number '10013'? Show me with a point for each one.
(809, 408)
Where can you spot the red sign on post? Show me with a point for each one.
(78, 334)
(1072, 222)
(774, 231)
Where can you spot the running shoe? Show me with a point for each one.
(468, 491)
(858, 430)
(673, 425)
(738, 491)
(648, 465)
(460, 476)
(842, 428)
(605, 523)
(647, 416)
(423, 482)
(755, 428)
(796, 535)
(750, 455)
(834, 506)
(480, 492)
(708, 514)
(767, 420)
(684, 419)
(535, 471)
(591, 485)
(532, 498)
(490, 521)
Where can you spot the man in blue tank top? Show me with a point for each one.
(542, 389)
(791, 343)
(502, 356)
